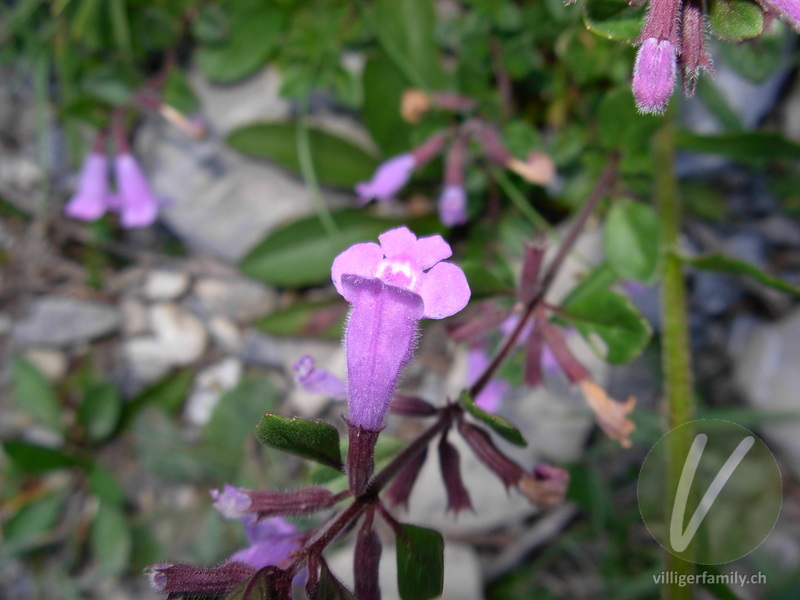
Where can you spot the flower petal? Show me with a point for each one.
(444, 291)
(388, 179)
(139, 205)
(91, 198)
(397, 241)
(361, 259)
(430, 250)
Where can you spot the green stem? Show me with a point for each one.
(310, 175)
(520, 201)
(676, 357)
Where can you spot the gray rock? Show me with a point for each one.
(52, 363)
(766, 371)
(236, 298)
(165, 285)
(219, 201)
(60, 321)
(225, 334)
(178, 339)
(6, 324)
(209, 386)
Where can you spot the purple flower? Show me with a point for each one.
(391, 287)
(232, 502)
(388, 179)
(654, 75)
(491, 397)
(138, 205)
(271, 540)
(453, 206)
(318, 381)
(788, 9)
(92, 197)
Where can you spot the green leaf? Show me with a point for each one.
(758, 59)
(420, 563)
(307, 319)
(254, 29)
(231, 423)
(599, 278)
(406, 32)
(613, 19)
(105, 84)
(118, 12)
(614, 319)
(753, 146)
(502, 427)
(315, 440)
(168, 394)
(279, 260)
(33, 458)
(330, 588)
(110, 539)
(178, 92)
(337, 162)
(735, 20)
(34, 394)
(100, 411)
(483, 281)
(105, 486)
(622, 126)
(25, 528)
(261, 586)
(632, 238)
(384, 85)
(725, 264)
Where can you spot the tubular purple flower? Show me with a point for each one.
(138, 204)
(318, 381)
(271, 540)
(654, 75)
(491, 397)
(92, 196)
(788, 9)
(390, 287)
(388, 179)
(453, 206)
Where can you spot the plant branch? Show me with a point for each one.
(549, 276)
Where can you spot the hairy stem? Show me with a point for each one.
(676, 355)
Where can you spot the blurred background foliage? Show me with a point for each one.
(554, 79)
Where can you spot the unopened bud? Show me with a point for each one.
(694, 56)
(186, 580)
(654, 74)
(487, 318)
(429, 149)
(557, 342)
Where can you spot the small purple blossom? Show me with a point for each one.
(491, 397)
(318, 381)
(138, 205)
(654, 74)
(453, 206)
(388, 179)
(391, 287)
(788, 9)
(232, 502)
(91, 200)
(271, 540)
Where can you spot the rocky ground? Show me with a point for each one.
(156, 312)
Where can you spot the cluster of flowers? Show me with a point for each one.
(391, 286)
(393, 174)
(134, 199)
(674, 34)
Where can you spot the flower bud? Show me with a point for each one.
(654, 74)
(411, 406)
(413, 105)
(366, 563)
(318, 381)
(186, 580)
(546, 487)
(237, 503)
